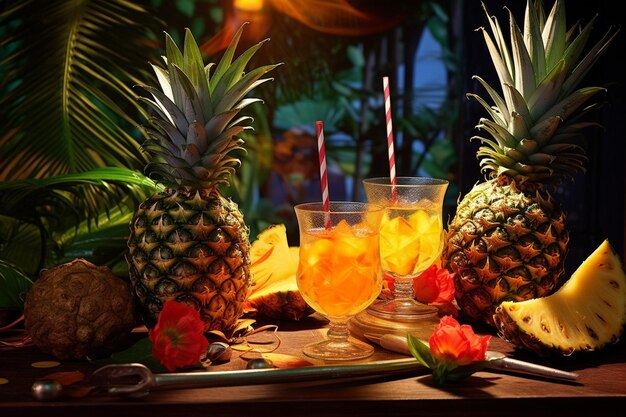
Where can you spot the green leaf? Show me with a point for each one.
(524, 72)
(534, 43)
(355, 55)
(438, 29)
(70, 106)
(186, 7)
(14, 285)
(21, 244)
(554, 35)
(140, 352)
(193, 66)
(462, 372)
(217, 14)
(102, 244)
(84, 194)
(226, 59)
(421, 352)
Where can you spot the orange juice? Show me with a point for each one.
(411, 239)
(339, 272)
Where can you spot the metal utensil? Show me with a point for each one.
(135, 379)
(497, 360)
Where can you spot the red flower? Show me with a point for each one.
(178, 337)
(433, 286)
(456, 344)
(453, 352)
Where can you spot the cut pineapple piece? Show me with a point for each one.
(271, 242)
(585, 314)
(274, 292)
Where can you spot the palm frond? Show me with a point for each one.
(101, 244)
(71, 198)
(61, 206)
(66, 93)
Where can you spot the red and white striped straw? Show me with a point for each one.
(392, 157)
(323, 173)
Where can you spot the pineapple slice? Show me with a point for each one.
(585, 314)
(274, 292)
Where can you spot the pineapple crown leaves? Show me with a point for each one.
(195, 128)
(536, 121)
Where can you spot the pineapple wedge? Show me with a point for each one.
(585, 314)
(274, 292)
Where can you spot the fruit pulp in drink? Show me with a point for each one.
(339, 272)
(411, 239)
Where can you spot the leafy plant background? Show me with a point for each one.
(70, 148)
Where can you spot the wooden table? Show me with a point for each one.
(599, 391)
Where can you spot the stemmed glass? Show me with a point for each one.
(411, 239)
(339, 271)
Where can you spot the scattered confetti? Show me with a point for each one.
(280, 360)
(45, 364)
(66, 378)
(78, 392)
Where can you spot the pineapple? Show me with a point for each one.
(585, 314)
(508, 239)
(274, 292)
(189, 243)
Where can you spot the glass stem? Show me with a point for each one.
(338, 332)
(403, 289)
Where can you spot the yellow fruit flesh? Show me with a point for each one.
(589, 310)
(270, 256)
(410, 240)
(274, 290)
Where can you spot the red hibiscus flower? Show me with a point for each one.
(457, 344)
(178, 337)
(453, 352)
(434, 286)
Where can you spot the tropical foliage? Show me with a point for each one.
(70, 148)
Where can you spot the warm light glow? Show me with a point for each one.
(248, 5)
(337, 17)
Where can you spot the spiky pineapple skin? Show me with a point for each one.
(192, 247)
(504, 243)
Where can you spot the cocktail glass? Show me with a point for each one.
(411, 239)
(339, 271)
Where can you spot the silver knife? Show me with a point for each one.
(497, 360)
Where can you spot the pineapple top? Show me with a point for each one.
(195, 126)
(534, 127)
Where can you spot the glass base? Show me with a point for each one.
(332, 350)
(406, 310)
(366, 324)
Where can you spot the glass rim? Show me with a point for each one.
(318, 207)
(386, 181)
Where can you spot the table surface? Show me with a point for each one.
(600, 389)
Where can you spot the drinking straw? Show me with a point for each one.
(323, 173)
(392, 158)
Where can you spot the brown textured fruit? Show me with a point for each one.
(78, 310)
